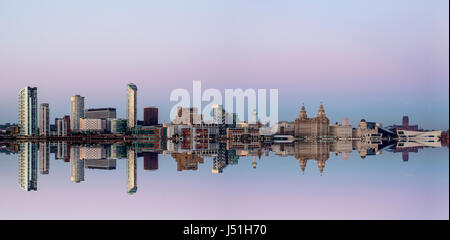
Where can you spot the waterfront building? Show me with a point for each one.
(93, 152)
(60, 127)
(426, 138)
(286, 128)
(341, 131)
(118, 125)
(76, 112)
(367, 131)
(131, 105)
(44, 119)
(150, 116)
(312, 127)
(97, 113)
(27, 111)
(93, 125)
(53, 130)
(27, 166)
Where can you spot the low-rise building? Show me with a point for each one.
(93, 125)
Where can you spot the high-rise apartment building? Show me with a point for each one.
(76, 112)
(44, 119)
(27, 111)
(131, 105)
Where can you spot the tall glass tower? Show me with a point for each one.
(76, 112)
(44, 119)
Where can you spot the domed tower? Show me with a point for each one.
(302, 114)
(362, 123)
(321, 112)
(303, 165)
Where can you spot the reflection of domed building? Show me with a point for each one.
(312, 127)
(318, 151)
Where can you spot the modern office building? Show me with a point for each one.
(97, 113)
(367, 131)
(150, 116)
(405, 125)
(341, 131)
(187, 116)
(27, 111)
(44, 119)
(62, 126)
(76, 112)
(27, 175)
(131, 105)
(67, 123)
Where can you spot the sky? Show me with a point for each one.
(374, 59)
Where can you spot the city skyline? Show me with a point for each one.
(225, 110)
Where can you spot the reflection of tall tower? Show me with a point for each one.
(44, 119)
(131, 105)
(44, 157)
(131, 171)
(76, 112)
(76, 165)
(28, 166)
(27, 111)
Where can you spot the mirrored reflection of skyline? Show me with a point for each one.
(104, 157)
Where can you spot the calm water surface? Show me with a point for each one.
(283, 181)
